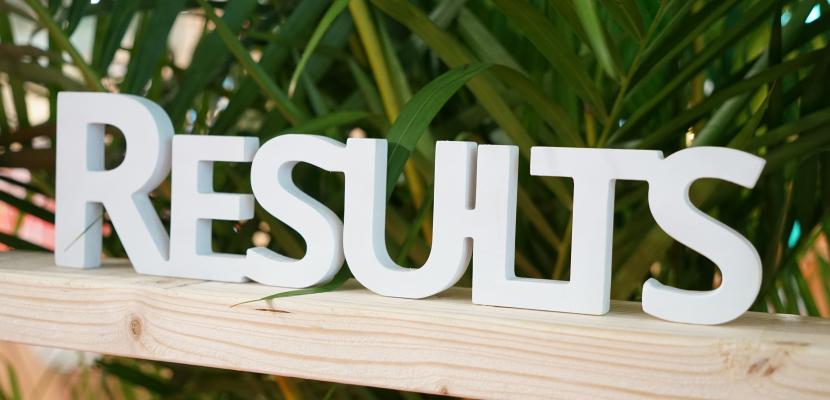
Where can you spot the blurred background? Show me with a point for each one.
(653, 74)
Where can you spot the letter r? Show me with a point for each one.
(83, 185)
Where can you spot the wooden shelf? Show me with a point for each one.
(442, 345)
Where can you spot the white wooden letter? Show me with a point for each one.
(737, 259)
(194, 205)
(320, 227)
(83, 185)
(455, 217)
(594, 172)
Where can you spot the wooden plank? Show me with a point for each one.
(443, 344)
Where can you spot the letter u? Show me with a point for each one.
(458, 215)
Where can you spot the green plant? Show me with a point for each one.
(665, 75)
(12, 391)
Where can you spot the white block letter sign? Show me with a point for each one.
(83, 185)
(474, 212)
(594, 172)
(588, 291)
(320, 227)
(194, 205)
(365, 212)
(740, 266)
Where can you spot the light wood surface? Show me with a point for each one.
(443, 344)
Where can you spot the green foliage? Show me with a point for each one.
(413, 120)
(339, 279)
(328, 18)
(10, 390)
(601, 73)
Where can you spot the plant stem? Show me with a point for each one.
(371, 44)
(92, 79)
(626, 81)
(391, 101)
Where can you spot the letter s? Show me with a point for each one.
(737, 259)
(321, 228)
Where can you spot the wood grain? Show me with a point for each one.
(444, 344)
